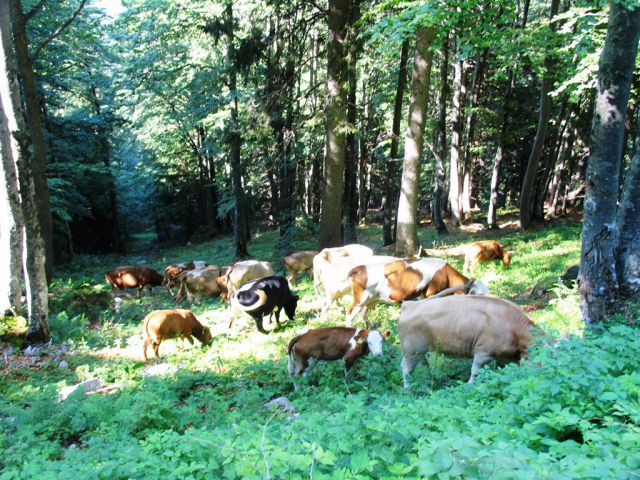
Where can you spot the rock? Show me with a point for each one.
(571, 275)
(63, 364)
(33, 350)
(160, 369)
(283, 404)
(86, 386)
(9, 351)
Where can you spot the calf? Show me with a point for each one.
(264, 297)
(400, 280)
(298, 262)
(132, 277)
(162, 324)
(484, 251)
(332, 343)
(482, 328)
(172, 272)
(196, 283)
(240, 273)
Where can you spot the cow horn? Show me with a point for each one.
(262, 299)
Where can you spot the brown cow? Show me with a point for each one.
(400, 280)
(133, 276)
(478, 327)
(297, 263)
(484, 251)
(162, 324)
(332, 343)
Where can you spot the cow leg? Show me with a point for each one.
(309, 363)
(479, 359)
(145, 345)
(408, 365)
(156, 346)
(139, 291)
(259, 325)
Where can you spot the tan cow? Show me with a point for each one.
(172, 272)
(478, 327)
(162, 324)
(484, 251)
(194, 284)
(297, 263)
(240, 273)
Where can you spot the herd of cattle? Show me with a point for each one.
(455, 316)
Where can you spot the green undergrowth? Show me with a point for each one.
(572, 411)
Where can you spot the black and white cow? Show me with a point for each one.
(263, 297)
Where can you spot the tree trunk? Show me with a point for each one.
(528, 185)
(407, 243)
(390, 170)
(336, 116)
(364, 154)
(628, 241)
(598, 257)
(240, 217)
(455, 180)
(33, 255)
(441, 143)
(36, 134)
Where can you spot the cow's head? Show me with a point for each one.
(374, 341)
(506, 258)
(290, 306)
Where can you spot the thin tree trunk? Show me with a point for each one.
(441, 147)
(336, 116)
(455, 179)
(36, 133)
(364, 153)
(529, 183)
(600, 233)
(628, 241)
(390, 170)
(407, 243)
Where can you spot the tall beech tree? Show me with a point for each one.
(407, 243)
(604, 234)
(336, 118)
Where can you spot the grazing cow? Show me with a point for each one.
(240, 273)
(484, 251)
(197, 283)
(133, 276)
(353, 253)
(263, 297)
(400, 280)
(162, 324)
(297, 263)
(172, 271)
(332, 343)
(478, 327)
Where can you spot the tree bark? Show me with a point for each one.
(36, 133)
(240, 217)
(441, 144)
(407, 243)
(33, 255)
(528, 185)
(391, 170)
(598, 276)
(455, 179)
(628, 241)
(336, 116)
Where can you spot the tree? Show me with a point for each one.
(455, 179)
(407, 243)
(598, 276)
(336, 116)
(441, 143)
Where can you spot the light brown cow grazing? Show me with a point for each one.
(172, 272)
(132, 276)
(484, 251)
(199, 282)
(242, 272)
(297, 263)
(332, 343)
(478, 327)
(162, 324)
(400, 280)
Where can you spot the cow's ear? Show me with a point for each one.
(360, 341)
(386, 334)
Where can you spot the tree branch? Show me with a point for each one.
(58, 31)
(36, 8)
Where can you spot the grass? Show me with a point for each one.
(206, 417)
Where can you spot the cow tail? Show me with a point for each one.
(291, 363)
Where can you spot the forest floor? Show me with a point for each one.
(573, 411)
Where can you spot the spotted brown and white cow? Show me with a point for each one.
(400, 280)
(332, 343)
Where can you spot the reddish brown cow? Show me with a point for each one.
(332, 343)
(162, 324)
(484, 251)
(133, 276)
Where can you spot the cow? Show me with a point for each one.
(329, 256)
(199, 282)
(297, 263)
(242, 272)
(172, 272)
(263, 297)
(484, 251)
(132, 276)
(162, 324)
(471, 326)
(331, 343)
(400, 280)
